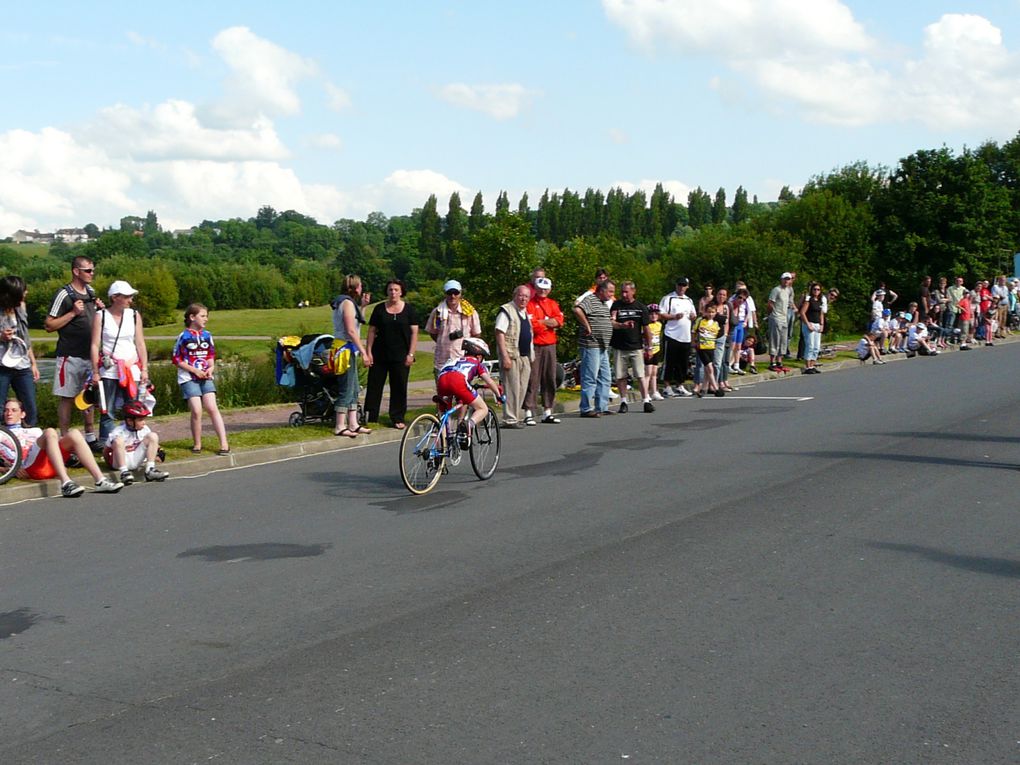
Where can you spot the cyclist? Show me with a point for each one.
(454, 381)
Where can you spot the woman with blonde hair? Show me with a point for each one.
(347, 321)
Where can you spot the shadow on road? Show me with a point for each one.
(950, 437)
(916, 459)
(993, 566)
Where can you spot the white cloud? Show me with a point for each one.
(330, 141)
(338, 98)
(173, 130)
(49, 176)
(500, 102)
(814, 56)
(184, 161)
(262, 75)
(740, 29)
(145, 42)
(965, 78)
(407, 189)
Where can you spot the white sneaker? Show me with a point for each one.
(127, 477)
(155, 474)
(684, 392)
(657, 396)
(106, 486)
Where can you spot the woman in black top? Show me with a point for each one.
(812, 322)
(392, 338)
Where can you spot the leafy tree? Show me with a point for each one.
(266, 217)
(719, 210)
(476, 219)
(522, 206)
(699, 208)
(786, 195)
(430, 243)
(942, 214)
(502, 204)
(456, 227)
(132, 223)
(741, 211)
(495, 259)
(151, 225)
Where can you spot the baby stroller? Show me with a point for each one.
(308, 364)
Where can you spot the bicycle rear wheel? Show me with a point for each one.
(10, 454)
(485, 447)
(422, 454)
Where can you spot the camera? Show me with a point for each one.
(456, 335)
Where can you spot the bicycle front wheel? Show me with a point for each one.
(10, 454)
(485, 447)
(422, 454)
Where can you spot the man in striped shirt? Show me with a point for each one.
(596, 330)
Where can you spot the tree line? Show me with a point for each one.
(937, 212)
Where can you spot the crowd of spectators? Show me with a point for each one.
(655, 348)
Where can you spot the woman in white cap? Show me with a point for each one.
(449, 323)
(120, 359)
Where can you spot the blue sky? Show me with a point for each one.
(336, 109)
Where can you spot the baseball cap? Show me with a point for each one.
(786, 275)
(121, 287)
(452, 284)
(543, 283)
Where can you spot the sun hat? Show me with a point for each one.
(121, 287)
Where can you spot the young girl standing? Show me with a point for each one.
(195, 358)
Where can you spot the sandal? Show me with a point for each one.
(222, 452)
(196, 450)
(346, 432)
(399, 425)
(362, 431)
(550, 419)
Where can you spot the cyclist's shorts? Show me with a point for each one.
(38, 466)
(455, 384)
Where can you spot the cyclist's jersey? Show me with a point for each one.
(468, 366)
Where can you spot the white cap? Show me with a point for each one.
(121, 287)
(786, 275)
(452, 284)
(543, 283)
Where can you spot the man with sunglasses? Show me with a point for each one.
(71, 314)
(450, 323)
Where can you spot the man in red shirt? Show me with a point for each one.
(546, 318)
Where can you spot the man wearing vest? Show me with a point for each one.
(516, 352)
(70, 316)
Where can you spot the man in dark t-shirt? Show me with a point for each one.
(71, 314)
(631, 337)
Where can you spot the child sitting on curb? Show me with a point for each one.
(132, 444)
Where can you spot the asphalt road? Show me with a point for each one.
(815, 570)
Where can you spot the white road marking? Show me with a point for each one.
(732, 397)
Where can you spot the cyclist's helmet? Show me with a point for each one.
(475, 346)
(653, 308)
(136, 409)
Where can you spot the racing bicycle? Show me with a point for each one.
(430, 445)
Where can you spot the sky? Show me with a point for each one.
(211, 110)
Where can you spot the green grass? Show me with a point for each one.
(258, 322)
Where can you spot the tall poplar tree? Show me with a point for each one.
(476, 220)
(455, 229)
(430, 239)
